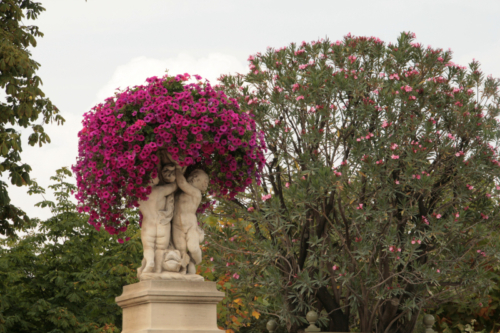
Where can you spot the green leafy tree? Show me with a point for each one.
(239, 311)
(453, 317)
(24, 105)
(63, 276)
(380, 196)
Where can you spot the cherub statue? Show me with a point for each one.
(172, 249)
(157, 214)
(186, 234)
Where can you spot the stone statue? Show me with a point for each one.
(172, 253)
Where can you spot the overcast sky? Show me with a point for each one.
(90, 48)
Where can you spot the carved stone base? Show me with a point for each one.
(171, 276)
(166, 306)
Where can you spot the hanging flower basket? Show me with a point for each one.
(197, 125)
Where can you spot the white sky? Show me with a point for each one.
(90, 48)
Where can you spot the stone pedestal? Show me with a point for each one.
(163, 306)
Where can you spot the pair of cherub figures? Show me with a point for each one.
(170, 233)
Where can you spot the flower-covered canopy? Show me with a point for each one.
(199, 126)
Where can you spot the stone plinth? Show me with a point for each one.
(162, 306)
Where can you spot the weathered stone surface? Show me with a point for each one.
(171, 276)
(166, 306)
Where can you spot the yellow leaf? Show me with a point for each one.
(248, 227)
(229, 331)
(235, 320)
(256, 314)
(238, 301)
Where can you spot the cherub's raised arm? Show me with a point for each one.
(167, 189)
(183, 183)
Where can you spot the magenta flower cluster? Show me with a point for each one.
(198, 125)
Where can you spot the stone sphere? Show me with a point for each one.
(429, 320)
(271, 325)
(311, 317)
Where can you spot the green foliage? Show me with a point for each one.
(457, 317)
(240, 310)
(25, 103)
(380, 197)
(63, 276)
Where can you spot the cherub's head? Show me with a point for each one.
(199, 179)
(172, 261)
(167, 174)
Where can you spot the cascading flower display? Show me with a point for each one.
(198, 125)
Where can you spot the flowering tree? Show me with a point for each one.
(197, 126)
(380, 193)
